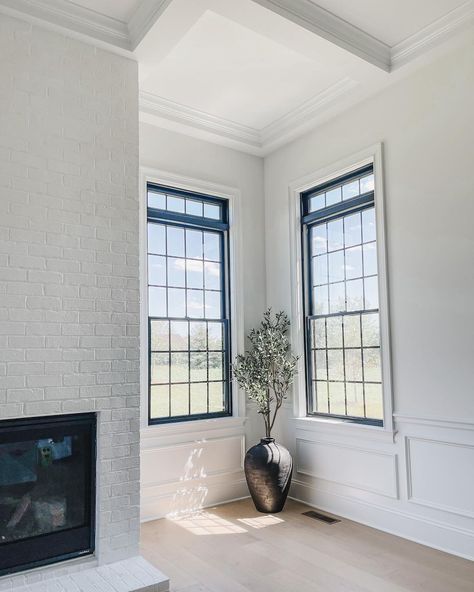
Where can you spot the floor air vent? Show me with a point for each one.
(321, 517)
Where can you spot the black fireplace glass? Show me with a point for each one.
(47, 490)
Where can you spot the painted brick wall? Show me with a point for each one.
(69, 302)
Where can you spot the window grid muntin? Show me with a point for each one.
(310, 219)
(203, 225)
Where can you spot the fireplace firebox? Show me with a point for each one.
(47, 490)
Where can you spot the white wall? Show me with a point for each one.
(193, 464)
(422, 484)
(69, 292)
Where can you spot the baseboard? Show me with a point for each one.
(198, 496)
(416, 528)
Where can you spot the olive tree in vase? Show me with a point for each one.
(266, 372)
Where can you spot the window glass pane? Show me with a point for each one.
(320, 270)
(367, 184)
(353, 362)
(212, 275)
(176, 272)
(320, 365)
(352, 230)
(370, 330)
(198, 336)
(214, 335)
(160, 401)
(175, 241)
(353, 263)
(157, 302)
(198, 366)
(372, 370)
(156, 270)
(317, 202)
(335, 364)
(352, 331)
(156, 239)
(216, 397)
(211, 246)
(159, 369)
(370, 259)
(175, 204)
(194, 244)
(335, 235)
(216, 370)
(193, 207)
(336, 266)
(195, 304)
(350, 189)
(373, 401)
(319, 328)
(336, 297)
(179, 367)
(371, 293)
(212, 211)
(194, 274)
(176, 302)
(319, 239)
(179, 335)
(355, 295)
(321, 397)
(159, 335)
(320, 300)
(368, 225)
(179, 399)
(198, 398)
(337, 402)
(213, 305)
(156, 200)
(334, 331)
(333, 196)
(355, 399)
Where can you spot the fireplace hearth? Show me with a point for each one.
(47, 490)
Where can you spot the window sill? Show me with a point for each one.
(193, 430)
(339, 427)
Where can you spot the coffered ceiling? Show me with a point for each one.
(253, 74)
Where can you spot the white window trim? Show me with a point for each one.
(232, 194)
(370, 155)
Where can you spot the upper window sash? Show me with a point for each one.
(173, 205)
(339, 195)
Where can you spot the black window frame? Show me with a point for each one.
(308, 219)
(184, 220)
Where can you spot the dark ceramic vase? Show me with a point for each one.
(268, 469)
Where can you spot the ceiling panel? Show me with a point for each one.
(228, 70)
(390, 21)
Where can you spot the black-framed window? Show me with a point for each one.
(188, 305)
(342, 328)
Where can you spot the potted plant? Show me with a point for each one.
(266, 372)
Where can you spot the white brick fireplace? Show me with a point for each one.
(69, 299)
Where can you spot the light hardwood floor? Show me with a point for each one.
(233, 548)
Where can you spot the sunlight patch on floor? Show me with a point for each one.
(261, 521)
(205, 523)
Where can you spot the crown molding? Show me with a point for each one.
(143, 19)
(303, 117)
(432, 35)
(332, 28)
(72, 17)
(171, 115)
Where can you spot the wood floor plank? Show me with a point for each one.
(233, 548)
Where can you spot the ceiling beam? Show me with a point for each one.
(332, 28)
